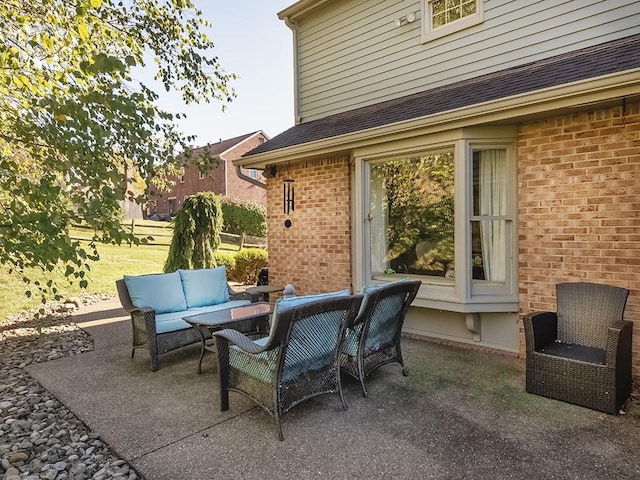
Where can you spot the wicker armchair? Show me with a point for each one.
(582, 353)
(373, 338)
(297, 361)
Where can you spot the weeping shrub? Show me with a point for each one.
(196, 233)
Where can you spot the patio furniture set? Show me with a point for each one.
(282, 354)
(310, 340)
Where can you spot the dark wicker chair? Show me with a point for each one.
(298, 360)
(373, 339)
(143, 323)
(582, 353)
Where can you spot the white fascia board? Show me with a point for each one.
(566, 96)
(299, 8)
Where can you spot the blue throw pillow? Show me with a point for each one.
(283, 304)
(163, 292)
(204, 287)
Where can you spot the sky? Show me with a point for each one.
(252, 42)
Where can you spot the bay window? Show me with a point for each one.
(444, 215)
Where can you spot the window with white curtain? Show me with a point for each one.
(445, 216)
(490, 216)
(411, 212)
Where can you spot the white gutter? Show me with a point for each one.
(300, 8)
(576, 94)
(296, 85)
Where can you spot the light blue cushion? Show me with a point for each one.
(173, 321)
(207, 286)
(162, 292)
(283, 304)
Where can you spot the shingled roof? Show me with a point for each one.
(224, 145)
(604, 59)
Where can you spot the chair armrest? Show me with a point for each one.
(619, 341)
(146, 316)
(540, 329)
(241, 340)
(142, 310)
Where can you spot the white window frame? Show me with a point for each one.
(201, 175)
(182, 174)
(429, 33)
(253, 173)
(463, 294)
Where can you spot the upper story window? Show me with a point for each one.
(201, 175)
(253, 173)
(443, 17)
(181, 178)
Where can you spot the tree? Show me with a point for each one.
(196, 233)
(73, 121)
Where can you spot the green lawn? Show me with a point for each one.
(115, 261)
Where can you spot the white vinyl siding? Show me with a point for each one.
(351, 54)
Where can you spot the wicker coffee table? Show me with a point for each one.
(253, 320)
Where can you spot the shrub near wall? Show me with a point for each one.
(248, 263)
(244, 217)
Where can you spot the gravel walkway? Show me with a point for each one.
(39, 437)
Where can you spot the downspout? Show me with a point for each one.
(296, 86)
(246, 178)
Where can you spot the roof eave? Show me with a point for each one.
(300, 8)
(571, 95)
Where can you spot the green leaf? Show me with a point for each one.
(83, 31)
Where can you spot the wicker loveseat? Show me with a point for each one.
(297, 361)
(581, 354)
(158, 302)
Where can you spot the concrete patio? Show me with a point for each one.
(459, 414)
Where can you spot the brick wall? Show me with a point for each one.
(314, 253)
(579, 207)
(221, 180)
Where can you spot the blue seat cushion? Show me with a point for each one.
(283, 304)
(206, 286)
(162, 292)
(377, 336)
(173, 321)
(261, 366)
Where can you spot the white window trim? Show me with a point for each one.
(463, 295)
(200, 175)
(429, 33)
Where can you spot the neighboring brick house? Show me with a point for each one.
(490, 148)
(222, 180)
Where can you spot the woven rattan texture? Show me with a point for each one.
(298, 361)
(376, 333)
(561, 364)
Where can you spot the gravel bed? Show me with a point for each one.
(39, 437)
